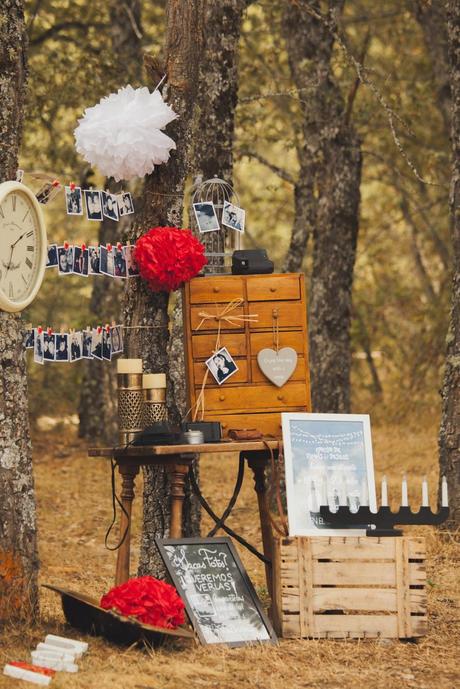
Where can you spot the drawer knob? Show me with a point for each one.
(216, 289)
(221, 398)
(272, 289)
(224, 425)
(280, 397)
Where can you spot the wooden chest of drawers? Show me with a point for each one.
(247, 399)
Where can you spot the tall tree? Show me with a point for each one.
(99, 421)
(327, 199)
(18, 535)
(146, 313)
(449, 445)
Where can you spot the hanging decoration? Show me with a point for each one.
(100, 342)
(121, 134)
(277, 364)
(149, 600)
(114, 261)
(167, 257)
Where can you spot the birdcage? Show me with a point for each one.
(206, 221)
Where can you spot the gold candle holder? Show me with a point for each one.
(130, 398)
(154, 402)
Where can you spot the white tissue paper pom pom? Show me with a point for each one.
(121, 135)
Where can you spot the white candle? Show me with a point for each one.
(364, 498)
(313, 500)
(384, 500)
(129, 365)
(444, 495)
(425, 500)
(151, 381)
(323, 499)
(404, 498)
(343, 491)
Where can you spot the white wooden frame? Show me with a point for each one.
(305, 527)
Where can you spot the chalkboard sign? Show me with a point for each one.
(220, 600)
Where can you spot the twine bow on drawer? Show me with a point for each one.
(226, 315)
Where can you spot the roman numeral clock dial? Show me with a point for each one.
(22, 246)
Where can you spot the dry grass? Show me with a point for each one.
(74, 509)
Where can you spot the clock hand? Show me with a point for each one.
(18, 239)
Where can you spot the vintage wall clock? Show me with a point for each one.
(23, 246)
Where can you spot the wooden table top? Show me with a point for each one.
(158, 450)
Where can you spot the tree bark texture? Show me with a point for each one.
(18, 531)
(449, 434)
(327, 203)
(145, 313)
(98, 421)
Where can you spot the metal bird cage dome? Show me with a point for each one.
(220, 241)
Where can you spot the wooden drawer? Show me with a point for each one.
(268, 424)
(290, 315)
(204, 345)
(255, 397)
(273, 288)
(258, 377)
(259, 341)
(241, 376)
(211, 324)
(208, 290)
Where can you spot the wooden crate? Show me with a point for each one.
(350, 587)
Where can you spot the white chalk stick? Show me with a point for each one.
(26, 675)
(51, 652)
(72, 652)
(53, 663)
(55, 640)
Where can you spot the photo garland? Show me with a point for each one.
(207, 220)
(100, 343)
(114, 261)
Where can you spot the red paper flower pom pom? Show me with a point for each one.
(167, 257)
(149, 600)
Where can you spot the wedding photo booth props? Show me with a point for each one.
(215, 208)
(93, 343)
(113, 261)
(121, 134)
(219, 597)
(328, 461)
(237, 313)
(22, 248)
(167, 257)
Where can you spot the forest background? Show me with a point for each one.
(401, 287)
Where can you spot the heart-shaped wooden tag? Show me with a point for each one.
(278, 366)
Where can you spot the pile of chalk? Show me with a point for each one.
(56, 654)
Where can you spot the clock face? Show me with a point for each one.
(22, 241)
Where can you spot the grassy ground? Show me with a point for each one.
(74, 509)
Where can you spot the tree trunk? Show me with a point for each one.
(327, 203)
(449, 434)
(98, 421)
(163, 205)
(18, 533)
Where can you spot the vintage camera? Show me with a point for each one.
(250, 262)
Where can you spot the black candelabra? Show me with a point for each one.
(380, 523)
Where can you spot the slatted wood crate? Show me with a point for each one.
(350, 587)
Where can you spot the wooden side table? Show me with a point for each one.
(177, 459)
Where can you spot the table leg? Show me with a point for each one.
(177, 474)
(128, 474)
(257, 462)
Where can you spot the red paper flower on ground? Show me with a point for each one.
(149, 600)
(168, 256)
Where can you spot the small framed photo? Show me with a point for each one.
(62, 347)
(73, 201)
(47, 192)
(106, 344)
(117, 339)
(109, 206)
(125, 204)
(29, 339)
(233, 216)
(206, 217)
(222, 365)
(80, 261)
(76, 346)
(87, 344)
(328, 461)
(52, 259)
(96, 344)
(105, 261)
(119, 263)
(93, 204)
(131, 265)
(93, 260)
(65, 260)
(38, 347)
(48, 347)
